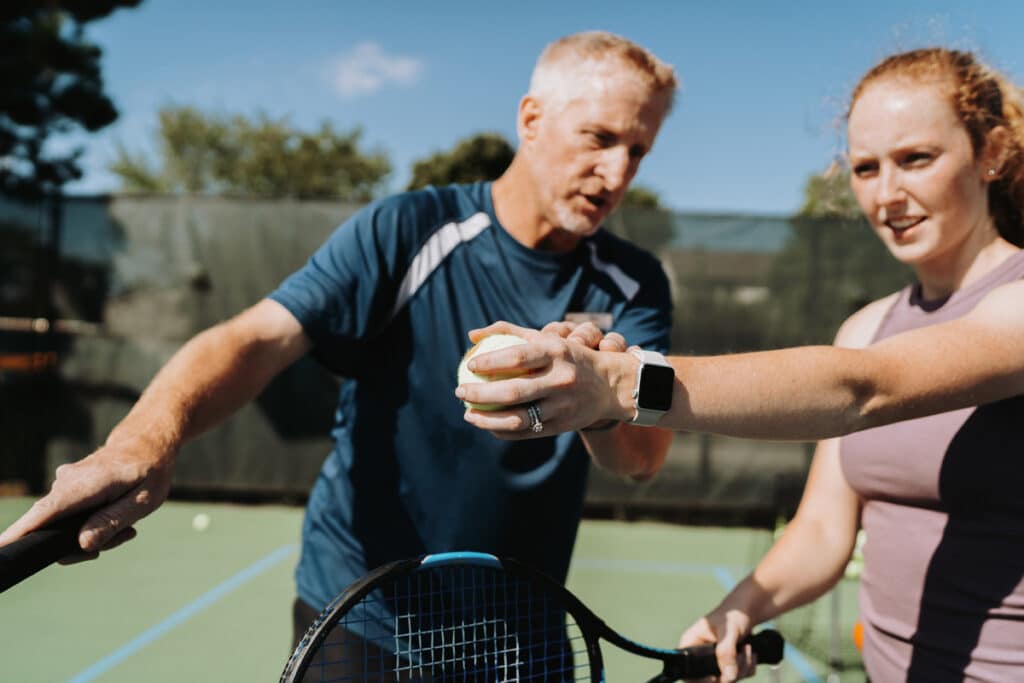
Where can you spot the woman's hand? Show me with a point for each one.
(570, 374)
(726, 628)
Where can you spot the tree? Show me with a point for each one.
(483, 156)
(216, 154)
(51, 85)
(828, 195)
(641, 197)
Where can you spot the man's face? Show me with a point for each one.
(584, 154)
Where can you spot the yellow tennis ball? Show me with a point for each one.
(201, 522)
(485, 345)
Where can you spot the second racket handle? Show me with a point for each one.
(39, 549)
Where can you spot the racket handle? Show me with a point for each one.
(39, 549)
(700, 660)
(768, 645)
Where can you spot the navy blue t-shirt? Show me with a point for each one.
(387, 301)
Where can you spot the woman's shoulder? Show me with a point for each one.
(1002, 303)
(859, 329)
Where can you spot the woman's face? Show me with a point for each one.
(914, 171)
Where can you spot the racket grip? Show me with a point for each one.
(769, 646)
(700, 660)
(39, 549)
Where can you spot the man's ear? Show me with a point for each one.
(993, 156)
(528, 119)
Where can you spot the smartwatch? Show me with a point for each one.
(652, 396)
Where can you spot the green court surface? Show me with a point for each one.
(178, 604)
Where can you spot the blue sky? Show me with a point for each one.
(763, 83)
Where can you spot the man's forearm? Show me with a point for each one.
(208, 379)
(199, 386)
(627, 450)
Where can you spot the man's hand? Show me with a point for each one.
(125, 482)
(587, 334)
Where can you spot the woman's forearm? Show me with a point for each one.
(802, 394)
(804, 564)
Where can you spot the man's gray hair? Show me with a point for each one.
(556, 77)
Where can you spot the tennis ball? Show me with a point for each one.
(201, 522)
(485, 345)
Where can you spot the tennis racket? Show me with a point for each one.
(474, 617)
(39, 549)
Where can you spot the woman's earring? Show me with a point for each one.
(991, 171)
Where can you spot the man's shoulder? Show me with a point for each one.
(430, 206)
(633, 269)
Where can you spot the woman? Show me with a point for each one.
(934, 373)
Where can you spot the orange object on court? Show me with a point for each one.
(28, 362)
(858, 635)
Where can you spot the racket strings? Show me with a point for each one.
(454, 623)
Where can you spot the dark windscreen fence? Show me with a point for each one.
(96, 294)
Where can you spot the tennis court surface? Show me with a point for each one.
(178, 604)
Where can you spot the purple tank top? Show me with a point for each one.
(942, 593)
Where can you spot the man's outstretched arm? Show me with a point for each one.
(208, 379)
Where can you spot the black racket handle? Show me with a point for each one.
(39, 549)
(700, 660)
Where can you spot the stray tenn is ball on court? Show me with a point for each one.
(201, 522)
(492, 343)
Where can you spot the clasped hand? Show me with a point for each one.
(567, 377)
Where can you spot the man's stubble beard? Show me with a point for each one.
(568, 220)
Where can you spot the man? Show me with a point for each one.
(387, 302)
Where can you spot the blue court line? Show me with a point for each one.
(187, 612)
(646, 567)
(722, 573)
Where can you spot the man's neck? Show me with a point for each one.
(519, 212)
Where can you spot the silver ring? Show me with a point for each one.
(534, 412)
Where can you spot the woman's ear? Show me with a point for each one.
(995, 153)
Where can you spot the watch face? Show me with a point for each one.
(656, 382)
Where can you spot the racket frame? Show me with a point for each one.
(691, 662)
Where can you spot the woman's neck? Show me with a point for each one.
(983, 250)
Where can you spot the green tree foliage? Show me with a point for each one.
(641, 197)
(51, 85)
(202, 153)
(483, 156)
(828, 195)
